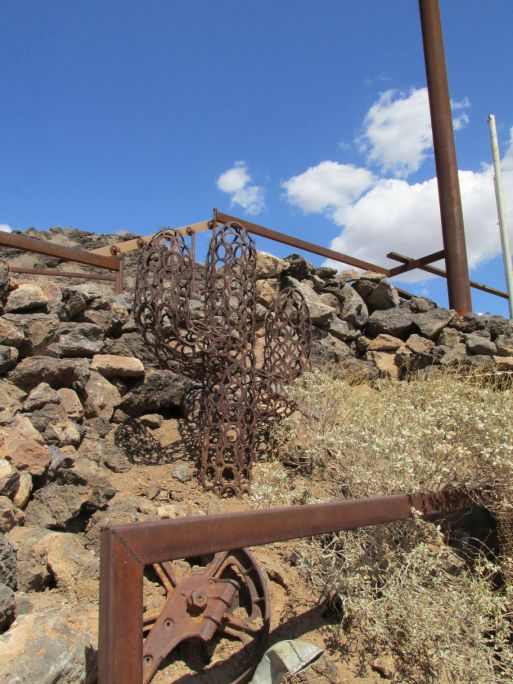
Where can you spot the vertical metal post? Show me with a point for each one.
(119, 277)
(501, 211)
(445, 157)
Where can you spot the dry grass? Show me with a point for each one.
(403, 591)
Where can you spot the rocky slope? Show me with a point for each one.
(91, 432)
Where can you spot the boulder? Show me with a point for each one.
(24, 490)
(110, 320)
(385, 363)
(266, 291)
(352, 307)
(419, 345)
(395, 322)
(26, 298)
(320, 313)
(161, 391)
(504, 363)
(419, 304)
(100, 397)
(358, 369)
(299, 267)
(326, 347)
(11, 402)
(71, 403)
(9, 478)
(105, 453)
(131, 344)
(117, 366)
(325, 272)
(449, 355)
(9, 514)
(40, 333)
(477, 344)
(431, 323)
(8, 358)
(343, 330)
(64, 640)
(10, 336)
(56, 372)
(7, 562)
(7, 607)
(23, 447)
(449, 337)
(504, 344)
(182, 472)
(269, 266)
(74, 303)
(80, 339)
(384, 343)
(383, 296)
(41, 395)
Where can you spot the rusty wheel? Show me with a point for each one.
(208, 611)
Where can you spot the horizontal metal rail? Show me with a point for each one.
(28, 244)
(417, 263)
(440, 272)
(299, 244)
(126, 549)
(53, 272)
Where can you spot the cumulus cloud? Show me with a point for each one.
(397, 130)
(5, 228)
(236, 182)
(396, 215)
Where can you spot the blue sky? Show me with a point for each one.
(308, 117)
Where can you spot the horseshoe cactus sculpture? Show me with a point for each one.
(238, 401)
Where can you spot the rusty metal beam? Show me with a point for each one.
(54, 273)
(29, 244)
(137, 243)
(256, 229)
(451, 213)
(440, 272)
(126, 549)
(416, 263)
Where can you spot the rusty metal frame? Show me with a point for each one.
(28, 244)
(127, 549)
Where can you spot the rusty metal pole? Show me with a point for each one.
(451, 213)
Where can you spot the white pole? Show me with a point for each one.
(501, 210)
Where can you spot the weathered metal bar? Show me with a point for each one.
(256, 229)
(130, 245)
(50, 249)
(126, 549)
(445, 158)
(54, 273)
(440, 272)
(415, 263)
(119, 277)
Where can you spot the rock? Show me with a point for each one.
(64, 640)
(352, 307)
(504, 344)
(385, 666)
(11, 402)
(383, 296)
(105, 453)
(385, 363)
(430, 323)
(98, 426)
(120, 512)
(299, 267)
(9, 478)
(53, 423)
(449, 355)
(8, 358)
(419, 345)
(480, 345)
(325, 347)
(269, 266)
(117, 366)
(10, 336)
(41, 395)
(320, 314)
(100, 397)
(419, 304)
(161, 390)
(131, 344)
(343, 330)
(40, 333)
(80, 339)
(449, 337)
(504, 363)
(395, 322)
(111, 320)
(7, 563)
(26, 298)
(57, 505)
(364, 288)
(22, 495)
(56, 372)
(74, 303)
(182, 472)
(9, 514)
(330, 300)
(266, 291)
(358, 370)
(23, 449)
(480, 361)
(89, 291)
(152, 420)
(372, 276)
(71, 403)
(384, 343)
(7, 607)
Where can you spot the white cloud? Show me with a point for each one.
(397, 130)
(396, 215)
(5, 228)
(236, 182)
